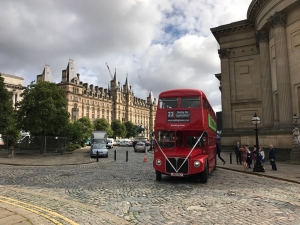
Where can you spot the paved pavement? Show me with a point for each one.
(17, 209)
(286, 171)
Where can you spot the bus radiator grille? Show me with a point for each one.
(176, 164)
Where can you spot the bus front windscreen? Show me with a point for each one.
(166, 139)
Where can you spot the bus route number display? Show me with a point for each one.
(178, 116)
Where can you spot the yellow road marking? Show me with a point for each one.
(30, 206)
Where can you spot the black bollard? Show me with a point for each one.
(97, 156)
(115, 155)
(126, 156)
(230, 154)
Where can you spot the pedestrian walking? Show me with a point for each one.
(262, 156)
(237, 153)
(249, 159)
(254, 154)
(272, 157)
(219, 149)
(243, 151)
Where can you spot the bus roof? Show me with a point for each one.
(182, 92)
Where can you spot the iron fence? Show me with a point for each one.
(41, 145)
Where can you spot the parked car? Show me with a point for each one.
(101, 148)
(118, 142)
(140, 147)
(126, 143)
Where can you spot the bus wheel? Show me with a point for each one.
(158, 175)
(204, 175)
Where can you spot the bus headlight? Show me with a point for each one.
(196, 164)
(158, 162)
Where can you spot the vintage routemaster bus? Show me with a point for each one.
(184, 135)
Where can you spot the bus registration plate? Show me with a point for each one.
(177, 174)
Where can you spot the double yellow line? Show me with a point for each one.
(50, 215)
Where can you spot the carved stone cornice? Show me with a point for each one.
(224, 53)
(254, 9)
(277, 20)
(239, 26)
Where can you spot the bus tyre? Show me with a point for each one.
(158, 175)
(204, 175)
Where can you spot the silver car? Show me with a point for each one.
(101, 148)
(126, 143)
(140, 147)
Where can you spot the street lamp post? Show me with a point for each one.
(257, 166)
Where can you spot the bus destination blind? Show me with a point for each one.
(178, 116)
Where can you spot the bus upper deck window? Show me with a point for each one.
(190, 102)
(204, 103)
(167, 103)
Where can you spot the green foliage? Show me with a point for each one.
(71, 147)
(43, 110)
(118, 128)
(7, 114)
(130, 129)
(78, 131)
(8, 125)
(87, 127)
(103, 124)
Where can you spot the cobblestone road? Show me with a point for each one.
(119, 192)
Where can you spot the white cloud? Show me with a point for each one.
(160, 44)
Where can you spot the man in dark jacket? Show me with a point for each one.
(237, 153)
(218, 145)
(272, 157)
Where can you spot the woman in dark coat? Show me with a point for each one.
(272, 157)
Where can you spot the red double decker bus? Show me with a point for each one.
(185, 134)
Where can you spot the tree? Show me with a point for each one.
(6, 107)
(43, 110)
(118, 128)
(75, 132)
(87, 128)
(130, 129)
(8, 124)
(103, 124)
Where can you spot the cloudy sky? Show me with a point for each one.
(158, 44)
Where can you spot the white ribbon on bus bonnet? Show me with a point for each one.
(186, 156)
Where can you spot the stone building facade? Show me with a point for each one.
(113, 103)
(14, 85)
(260, 74)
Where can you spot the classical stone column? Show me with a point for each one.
(265, 77)
(278, 22)
(226, 93)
